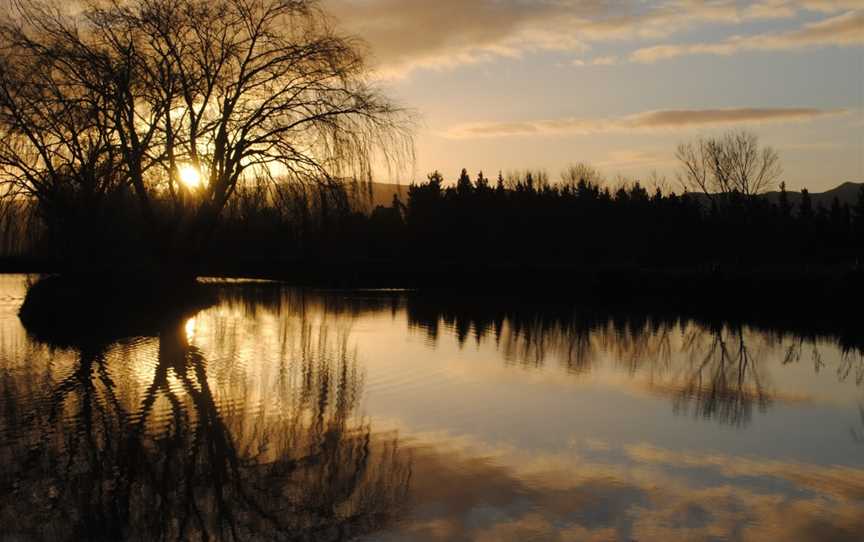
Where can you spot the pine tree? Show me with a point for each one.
(463, 185)
(785, 207)
(482, 183)
(805, 208)
(435, 180)
(500, 186)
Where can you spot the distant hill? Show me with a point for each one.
(846, 193)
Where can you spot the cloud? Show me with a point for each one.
(598, 61)
(826, 6)
(601, 491)
(842, 30)
(405, 36)
(668, 119)
(841, 482)
(671, 118)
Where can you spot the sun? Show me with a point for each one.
(190, 176)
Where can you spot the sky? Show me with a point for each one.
(505, 85)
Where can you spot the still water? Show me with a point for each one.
(278, 413)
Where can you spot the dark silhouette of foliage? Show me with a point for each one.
(133, 125)
(859, 224)
(582, 223)
(805, 211)
(524, 220)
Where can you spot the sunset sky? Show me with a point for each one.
(513, 84)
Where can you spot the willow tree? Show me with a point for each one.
(174, 104)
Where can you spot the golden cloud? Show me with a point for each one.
(667, 119)
(404, 36)
(843, 30)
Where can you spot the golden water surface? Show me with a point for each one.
(279, 413)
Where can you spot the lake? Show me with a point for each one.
(279, 413)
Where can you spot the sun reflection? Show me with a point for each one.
(190, 176)
(191, 326)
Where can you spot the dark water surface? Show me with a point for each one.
(286, 414)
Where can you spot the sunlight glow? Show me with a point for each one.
(190, 176)
(190, 328)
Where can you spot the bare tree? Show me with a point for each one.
(732, 163)
(581, 171)
(658, 183)
(180, 102)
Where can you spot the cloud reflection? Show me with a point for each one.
(474, 492)
(259, 427)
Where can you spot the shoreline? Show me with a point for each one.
(843, 283)
(806, 300)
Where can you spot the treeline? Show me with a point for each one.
(522, 219)
(525, 219)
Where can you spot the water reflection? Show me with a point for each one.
(465, 491)
(139, 441)
(286, 414)
(722, 379)
(710, 370)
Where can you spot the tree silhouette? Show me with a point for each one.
(805, 208)
(464, 187)
(734, 162)
(131, 98)
(859, 223)
(783, 202)
(581, 173)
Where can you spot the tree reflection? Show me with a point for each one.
(722, 381)
(157, 448)
(710, 369)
